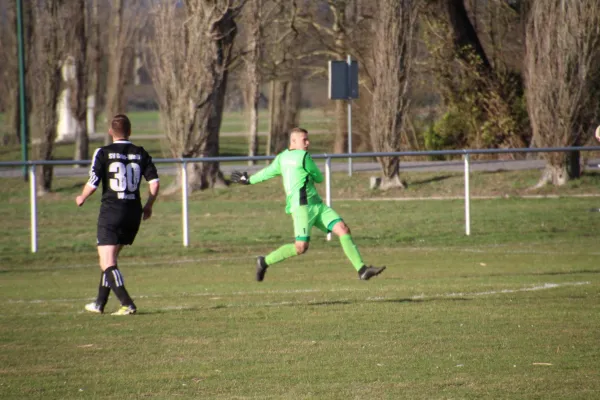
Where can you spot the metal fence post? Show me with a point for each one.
(184, 203)
(33, 209)
(328, 187)
(349, 61)
(467, 198)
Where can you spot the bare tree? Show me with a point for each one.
(87, 45)
(126, 20)
(483, 94)
(281, 68)
(9, 71)
(189, 57)
(79, 50)
(252, 78)
(49, 17)
(9, 82)
(284, 110)
(563, 78)
(343, 30)
(393, 54)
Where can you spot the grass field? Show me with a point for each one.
(511, 312)
(148, 123)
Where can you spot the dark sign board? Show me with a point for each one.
(343, 81)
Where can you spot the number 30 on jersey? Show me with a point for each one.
(127, 177)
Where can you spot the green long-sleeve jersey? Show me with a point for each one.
(299, 173)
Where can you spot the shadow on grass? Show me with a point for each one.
(170, 311)
(431, 180)
(69, 188)
(324, 303)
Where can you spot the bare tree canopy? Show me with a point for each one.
(562, 77)
(126, 20)
(334, 30)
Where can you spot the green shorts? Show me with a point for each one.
(317, 215)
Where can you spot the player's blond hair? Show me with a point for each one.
(298, 130)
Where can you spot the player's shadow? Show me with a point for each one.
(171, 310)
(400, 300)
(323, 303)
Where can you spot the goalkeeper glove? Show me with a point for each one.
(240, 177)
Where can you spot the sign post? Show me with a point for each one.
(343, 85)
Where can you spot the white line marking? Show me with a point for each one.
(524, 197)
(545, 286)
(219, 296)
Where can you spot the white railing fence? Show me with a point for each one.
(31, 165)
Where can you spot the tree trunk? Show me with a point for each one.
(46, 78)
(272, 116)
(9, 72)
(285, 112)
(574, 164)
(94, 55)
(79, 51)
(207, 174)
(464, 33)
(277, 133)
(253, 122)
(340, 144)
(293, 100)
(253, 77)
(556, 175)
(390, 168)
(13, 106)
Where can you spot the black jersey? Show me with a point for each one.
(120, 166)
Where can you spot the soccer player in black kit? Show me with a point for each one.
(119, 166)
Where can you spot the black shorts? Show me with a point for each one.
(118, 226)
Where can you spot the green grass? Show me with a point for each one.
(229, 146)
(148, 123)
(510, 312)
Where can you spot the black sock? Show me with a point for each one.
(115, 280)
(103, 291)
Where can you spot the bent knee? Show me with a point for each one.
(341, 228)
(301, 247)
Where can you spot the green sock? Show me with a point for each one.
(285, 251)
(351, 251)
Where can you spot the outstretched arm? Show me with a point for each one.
(266, 173)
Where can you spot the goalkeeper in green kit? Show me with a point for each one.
(300, 173)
